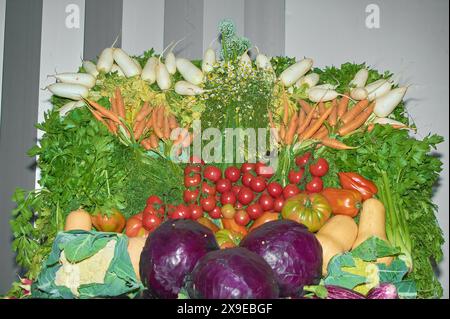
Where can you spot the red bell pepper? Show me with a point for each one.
(343, 201)
(354, 181)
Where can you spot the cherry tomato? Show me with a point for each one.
(154, 200)
(247, 179)
(238, 205)
(208, 203)
(156, 209)
(278, 204)
(192, 181)
(315, 185)
(196, 160)
(151, 221)
(290, 190)
(236, 189)
(196, 211)
(266, 202)
(215, 213)
(242, 218)
(228, 211)
(181, 212)
(223, 185)
(274, 189)
(228, 198)
(170, 209)
(295, 177)
(248, 167)
(301, 161)
(264, 170)
(258, 184)
(232, 174)
(212, 173)
(192, 169)
(245, 196)
(254, 211)
(320, 168)
(208, 189)
(190, 196)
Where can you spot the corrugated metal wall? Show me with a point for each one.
(42, 36)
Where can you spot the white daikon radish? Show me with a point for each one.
(321, 95)
(84, 79)
(149, 72)
(378, 89)
(116, 68)
(186, 88)
(105, 61)
(163, 77)
(138, 65)
(386, 104)
(69, 107)
(310, 79)
(69, 91)
(359, 93)
(245, 60)
(388, 121)
(326, 86)
(262, 61)
(209, 59)
(189, 71)
(360, 79)
(171, 63)
(126, 63)
(293, 73)
(90, 68)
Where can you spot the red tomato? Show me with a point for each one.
(266, 202)
(278, 204)
(242, 218)
(181, 212)
(208, 203)
(254, 211)
(208, 189)
(223, 185)
(196, 160)
(236, 189)
(245, 196)
(151, 221)
(212, 173)
(192, 181)
(315, 185)
(192, 169)
(196, 211)
(155, 209)
(134, 227)
(320, 168)
(190, 196)
(232, 174)
(248, 167)
(154, 200)
(295, 177)
(247, 179)
(301, 161)
(215, 213)
(264, 170)
(274, 189)
(258, 184)
(170, 209)
(228, 198)
(290, 190)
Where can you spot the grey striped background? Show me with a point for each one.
(412, 42)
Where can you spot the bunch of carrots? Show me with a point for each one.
(151, 124)
(319, 122)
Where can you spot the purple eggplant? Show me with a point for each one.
(383, 291)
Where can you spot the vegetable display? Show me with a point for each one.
(325, 191)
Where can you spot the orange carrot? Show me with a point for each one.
(143, 112)
(173, 124)
(307, 121)
(291, 129)
(286, 108)
(305, 106)
(354, 111)
(147, 144)
(103, 111)
(166, 128)
(113, 105)
(282, 132)
(322, 133)
(322, 108)
(342, 106)
(160, 117)
(120, 104)
(154, 141)
(357, 122)
(333, 143)
(332, 119)
(301, 117)
(313, 129)
(140, 127)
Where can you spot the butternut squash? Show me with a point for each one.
(336, 237)
(372, 222)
